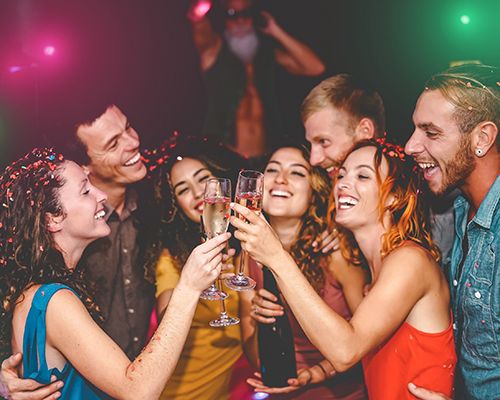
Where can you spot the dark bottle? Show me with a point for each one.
(276, 349)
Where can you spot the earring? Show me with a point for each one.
(479, 152)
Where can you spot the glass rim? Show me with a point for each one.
(257, 174)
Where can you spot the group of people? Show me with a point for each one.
(95, 240)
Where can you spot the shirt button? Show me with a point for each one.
(127, 281)
(125, 251)
(477, 295)
(131, 311)
(454, 326)
(455, 282)
(135, 339)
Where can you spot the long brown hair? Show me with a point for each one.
(313, 224)
(29, 189)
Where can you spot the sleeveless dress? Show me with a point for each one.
(347, 385)
(410, 355)
(34, 362)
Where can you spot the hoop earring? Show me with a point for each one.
(479, 152)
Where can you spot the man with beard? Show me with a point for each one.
(239, 69)
(456, 143)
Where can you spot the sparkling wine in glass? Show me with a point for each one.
(249, 190)
(215, 220)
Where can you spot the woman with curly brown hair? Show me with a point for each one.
(295, 202)
(402, 330)
(49, 214)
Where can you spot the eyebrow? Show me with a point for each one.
(429, 125)
(117, 135)
(194, 176)
(359, 167)
(292, 165)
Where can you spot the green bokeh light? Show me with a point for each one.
(465, 19)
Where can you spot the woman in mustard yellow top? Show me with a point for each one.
(206, 362)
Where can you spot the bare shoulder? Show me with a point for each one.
(411, 259)
(65, 304)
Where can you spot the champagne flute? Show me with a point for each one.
(224, 319)
(215, 220)
(249, 191)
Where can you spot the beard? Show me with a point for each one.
(458, 169)
(243, 43)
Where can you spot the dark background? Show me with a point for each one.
(139, 55)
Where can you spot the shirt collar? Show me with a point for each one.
(131, 200)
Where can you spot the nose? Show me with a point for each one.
(100, 196)
(133, 141)
(198, 190)
(413, 145)
(317, 155)
(281, 177)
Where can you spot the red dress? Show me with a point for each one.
(426, 359)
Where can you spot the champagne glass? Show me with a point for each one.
(224, 319)
(215, 220)
(249, 191)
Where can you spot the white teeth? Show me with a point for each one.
(281, 193)
(133, 160)
(426, 165)
(346, 202)
(100, 214)
(330, 168)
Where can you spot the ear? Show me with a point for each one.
(365, 129)
(86, 169)
(54, 222)
(484, 137)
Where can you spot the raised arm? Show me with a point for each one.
(296, 57)
(72, 332)
(342, 342)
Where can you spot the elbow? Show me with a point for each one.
(344, 360)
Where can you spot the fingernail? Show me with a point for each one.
(411, 385)
(57, 395)
(53, 378)
(60, 385)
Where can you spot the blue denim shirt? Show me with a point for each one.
(475, 296)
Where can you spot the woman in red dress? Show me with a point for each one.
(402, 330)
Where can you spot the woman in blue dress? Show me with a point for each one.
(49, 213)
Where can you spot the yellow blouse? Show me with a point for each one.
(205, 365)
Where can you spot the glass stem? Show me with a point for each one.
(243, 263)
(222, 302)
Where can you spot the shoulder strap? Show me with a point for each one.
(34, 362)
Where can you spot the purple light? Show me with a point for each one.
(49, 51)
(260, 396)
(15, 68)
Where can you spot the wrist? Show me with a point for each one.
(185, 289)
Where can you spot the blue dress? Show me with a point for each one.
(75, 385)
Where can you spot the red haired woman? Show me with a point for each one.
(402, 330)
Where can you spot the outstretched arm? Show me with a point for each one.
(296, 57)
(342, 342)
(71, 330)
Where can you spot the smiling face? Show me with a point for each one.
(287, 186)
(188, 177)
(113, 148)
(331, 135)
(357, 190)
(437, 145)
(82, 205)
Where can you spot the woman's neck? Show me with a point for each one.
(287, 229)
(71, 251)
(366, 237)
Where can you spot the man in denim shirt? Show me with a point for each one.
(456, 142)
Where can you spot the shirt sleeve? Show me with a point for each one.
(167, 273)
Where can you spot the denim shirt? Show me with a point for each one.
(475, 296)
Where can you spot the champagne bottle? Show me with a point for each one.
(276, 347)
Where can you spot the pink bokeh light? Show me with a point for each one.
(49, 50)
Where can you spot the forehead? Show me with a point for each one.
(433, 107)
(72, 174)
(185, 168)
(328, 122)
(365, 156)
(108, 124)
(289, 155)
